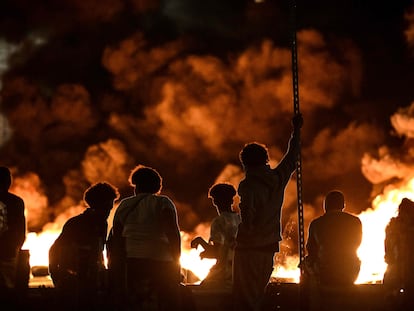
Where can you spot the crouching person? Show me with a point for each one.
(76, 262)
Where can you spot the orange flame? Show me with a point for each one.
(371, 251)
(374, 222)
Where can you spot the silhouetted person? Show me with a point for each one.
(399, 255)
(148, 224)
(333, 242)
(12, 233)
(76, 261)
(222, 240)
(261, 197)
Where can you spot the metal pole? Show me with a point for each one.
(295, 80)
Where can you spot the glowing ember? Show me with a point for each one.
(289, 272)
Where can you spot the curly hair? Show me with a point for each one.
(254, 154)
(222, 191)
(223, 195)
(146, 179)
(100, 192)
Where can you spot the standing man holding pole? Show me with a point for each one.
(261, 197)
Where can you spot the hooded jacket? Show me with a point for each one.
(14, 234)
(144, 233)
(262, 193)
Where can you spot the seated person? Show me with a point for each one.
(76, 262)
(332, 244)
(222, 235)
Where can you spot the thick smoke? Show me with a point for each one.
(393, 165)
(409, 31)
(93, 88)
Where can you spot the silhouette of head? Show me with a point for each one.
(254, 154)
(5, 178)
(334, 201)
(406, 209)
(222, 195)
(101, 196)
(145, 180)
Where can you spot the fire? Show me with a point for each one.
(371, 251)
(374, 221)
(289, 271)
(38, 246)
(190, 260)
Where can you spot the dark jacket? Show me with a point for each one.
(399, 253)
(12, 239)
(332, 247)
(77, 252)
(261, 197)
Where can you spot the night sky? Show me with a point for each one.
(91, 88)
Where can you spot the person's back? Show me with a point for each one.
(333, 242)
(76, 262)
(259, 234)
(399, 252)
(148, 224)
(12, 230)
(337, 235)
(77, 249)
(12, 233)
(144, 236)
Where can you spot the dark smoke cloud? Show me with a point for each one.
(92, 88)
(389, 165)
(409, 30)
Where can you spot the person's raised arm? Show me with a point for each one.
(294, 142)
(288, 164)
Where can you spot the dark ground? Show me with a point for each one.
(280, 296)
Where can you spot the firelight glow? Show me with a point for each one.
(374, 222)
(371, 251)
(38, 245)
(190, 260)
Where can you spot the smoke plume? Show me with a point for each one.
(92, 88)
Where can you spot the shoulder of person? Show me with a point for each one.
(14, 199)
(125, 202)
(354, 217)
(317, 220)
(165, 202)
(18, 199)
(163, 198)
(247, 184)
(217, 220)
(74, 221)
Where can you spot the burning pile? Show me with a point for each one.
(126, 78)
(371, 252)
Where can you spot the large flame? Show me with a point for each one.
(374, 221)
(39, 244)
(371, 251)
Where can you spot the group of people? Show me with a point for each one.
(143, 249)
(144, 245)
